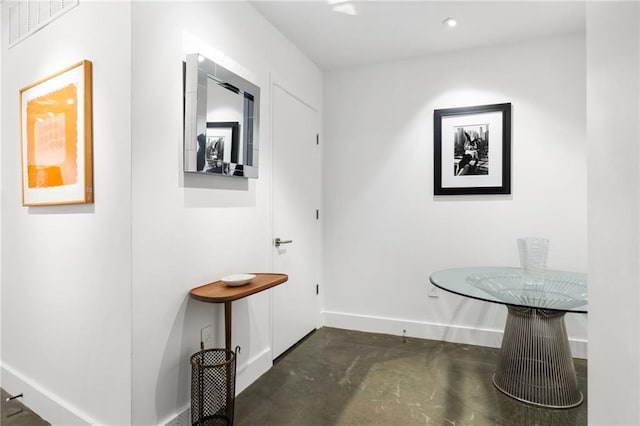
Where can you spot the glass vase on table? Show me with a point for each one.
(533, 259)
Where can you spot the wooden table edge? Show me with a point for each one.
(240, 291)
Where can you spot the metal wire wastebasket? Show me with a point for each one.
(213, 382)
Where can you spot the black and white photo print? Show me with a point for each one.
(464, 160)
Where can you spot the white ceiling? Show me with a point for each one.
(384, 31)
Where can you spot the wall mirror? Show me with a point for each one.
(221, 117)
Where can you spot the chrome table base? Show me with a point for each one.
(535, 364)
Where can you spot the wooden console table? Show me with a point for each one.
(218, 292)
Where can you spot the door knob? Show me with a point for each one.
(277, 242)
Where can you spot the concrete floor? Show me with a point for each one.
(14, 413)
(348, 378)
(340, 377)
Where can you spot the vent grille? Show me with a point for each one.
(25, 17)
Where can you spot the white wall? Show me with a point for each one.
(385, 232)
(75, 315)
(136, 258)
(191, 230)
(613, 100)
(66, 270)
(1, 187)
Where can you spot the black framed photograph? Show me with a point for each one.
(219, 147)
(472, 150)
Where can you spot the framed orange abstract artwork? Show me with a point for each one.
(56, 128)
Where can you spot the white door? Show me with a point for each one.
(296, 196)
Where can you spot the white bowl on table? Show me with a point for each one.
(237, 279)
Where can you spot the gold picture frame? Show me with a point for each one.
(57, 138)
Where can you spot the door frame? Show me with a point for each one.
(273, 85)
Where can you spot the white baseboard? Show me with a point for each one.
(425, 330)
(43, 402)
(246, 374)
(182, 419)
(250, 371)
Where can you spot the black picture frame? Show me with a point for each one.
(472, 150)
(220, 137)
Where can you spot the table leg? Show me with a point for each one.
(535, 364)
(230, 373)
(227, 325)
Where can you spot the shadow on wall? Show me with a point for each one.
(201, 180)
(484, 310)
(232, 191)
(467, 198)
(173, 384)
(62, 209)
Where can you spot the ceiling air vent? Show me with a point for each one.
(25, 17)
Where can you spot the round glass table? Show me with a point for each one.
(535, 363)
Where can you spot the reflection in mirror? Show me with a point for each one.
(221, 120)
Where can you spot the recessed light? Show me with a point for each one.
(450, 22)
(343, 6)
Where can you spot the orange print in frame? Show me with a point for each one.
(57, 138)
